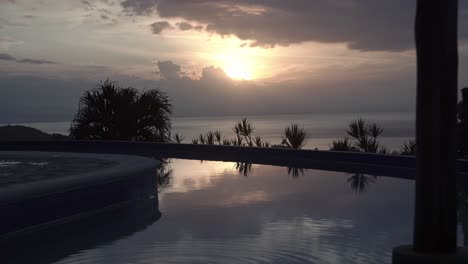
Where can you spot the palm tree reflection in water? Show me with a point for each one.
(359, 182)
(296, 172)
(164, 174)
(243, 168)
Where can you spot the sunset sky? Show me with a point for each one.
(238, 57)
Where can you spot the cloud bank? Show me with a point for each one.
(362, 24)
(8, 57)
(26, 98)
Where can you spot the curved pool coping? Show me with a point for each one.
(399, 166)
(127, 166)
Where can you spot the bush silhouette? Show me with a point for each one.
(178, 138)
(295, 137)
(408, 148)
(344, 144)
(109, 112)
(244, 137)
(365, 135)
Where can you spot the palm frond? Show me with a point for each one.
(360, 182)
(295, 137)
(342, 145)
(178, 138)
(109, 112)
(408, 148)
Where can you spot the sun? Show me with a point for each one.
(237, 70)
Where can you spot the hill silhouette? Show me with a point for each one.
(22, 133)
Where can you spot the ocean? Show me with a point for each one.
(399, 127)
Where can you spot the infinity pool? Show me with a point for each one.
(221, 212)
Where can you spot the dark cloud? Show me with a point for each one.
(88, 6)
(168, 70)
(362, 24)
(158, 27)
(198, 27)
(35, 61)
(86, 3)
(140, 7)
(184, 26)
(8, 57)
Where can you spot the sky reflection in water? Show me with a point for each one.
(212, 212)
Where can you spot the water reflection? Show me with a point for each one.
(266, 218)
(360, 182)
(212, 215)
(296, 172)
(73, 238)
(193, 174)
(243, 168)
(89, 231)
(246, 169)
(164, 174)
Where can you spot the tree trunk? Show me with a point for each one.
(435, 228)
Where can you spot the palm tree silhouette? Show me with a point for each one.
(178, 138)
(244, 130)
(295, 137)
(109, 112)
(365, 135)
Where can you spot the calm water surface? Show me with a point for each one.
(323, 128)
(222, 212)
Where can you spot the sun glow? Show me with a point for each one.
(237, 70)
(238, 60)
(238, 63)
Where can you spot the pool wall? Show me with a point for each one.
(38, 204)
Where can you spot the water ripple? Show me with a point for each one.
(300, 240)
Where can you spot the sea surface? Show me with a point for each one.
(399, 127)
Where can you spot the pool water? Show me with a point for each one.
(222, 212)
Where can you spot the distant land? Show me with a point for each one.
(24, 133)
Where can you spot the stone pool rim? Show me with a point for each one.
(400, 166)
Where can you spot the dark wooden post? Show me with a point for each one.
(435, 228)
